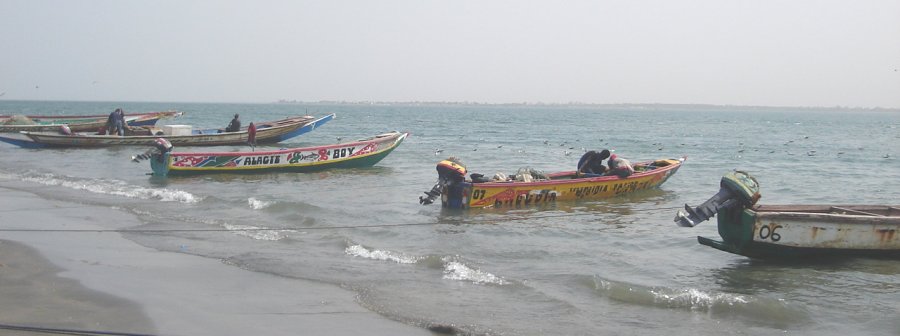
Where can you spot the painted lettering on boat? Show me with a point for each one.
(587, 191)
(336, 153)
(768, 232)
(632, 186)
(262, 160)
(525, 198)
(617, 188)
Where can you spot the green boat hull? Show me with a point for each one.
(362, 153)
(160, 169)
(783, 232)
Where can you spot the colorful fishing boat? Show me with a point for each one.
(180, 135)
(547, 189)
(77, 123)
(360, 153)
(793, 231)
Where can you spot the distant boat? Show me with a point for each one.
(179, 135)
(360, 153)
(77, 123)
(557, 187)
(792, 231)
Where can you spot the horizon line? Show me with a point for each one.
(471, 103)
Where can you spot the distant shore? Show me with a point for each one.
(617, 106)
(630, 106)
(100, 281)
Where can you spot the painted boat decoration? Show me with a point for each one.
(793, 231)
(80, 123)
(360, 153)
(556, 187)
(179, 135)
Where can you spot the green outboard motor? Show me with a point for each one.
(736, 188)
(159, 155)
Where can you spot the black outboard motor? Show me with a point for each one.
(450, 172)
(736, 189)
(161, 146)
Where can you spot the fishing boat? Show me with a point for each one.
(181, 135)
(538, 189)
(793, 231)
(360, 153)
(77, 123)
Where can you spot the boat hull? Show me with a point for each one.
(84, 123)
(271, 132)
(363, 153)
(560, 187)
(783, 231)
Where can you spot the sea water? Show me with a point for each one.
(614, 266)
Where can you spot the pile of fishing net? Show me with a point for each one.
(18, 120)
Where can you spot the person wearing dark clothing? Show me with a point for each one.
(234, 125)
(116, 122)
(120, 122)
(592, 163)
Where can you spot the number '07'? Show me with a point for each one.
(768, 231)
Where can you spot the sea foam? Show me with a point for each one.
(256, 204)
(455, 270)
(362, 252)
(112, 187)
(256, 232)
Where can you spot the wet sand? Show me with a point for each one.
(100, 281)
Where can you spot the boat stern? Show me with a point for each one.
(159, 163)
(736, 190)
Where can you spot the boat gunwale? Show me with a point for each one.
(104, 116)
(289, 150)
(591, 179)
(280, 124)
(88, 123)
(835, 218)
(394, 143)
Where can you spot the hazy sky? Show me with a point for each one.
(782, 53)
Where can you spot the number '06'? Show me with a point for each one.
(768, 231)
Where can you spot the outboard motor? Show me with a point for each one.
(736, 188)
(160, 147)
(450, 173)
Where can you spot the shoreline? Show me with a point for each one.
(104, 282)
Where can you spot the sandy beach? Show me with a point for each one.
(100, 281)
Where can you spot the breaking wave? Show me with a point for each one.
(362, 252)
(455, 270)
(452, 268)
(256, 204)
(256, 232)
(111, 187)
(775, 311)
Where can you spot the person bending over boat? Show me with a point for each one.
(234, 125)
(115, 123)
(591, 163)
(619, 166)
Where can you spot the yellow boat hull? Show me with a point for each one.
(561, 187)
